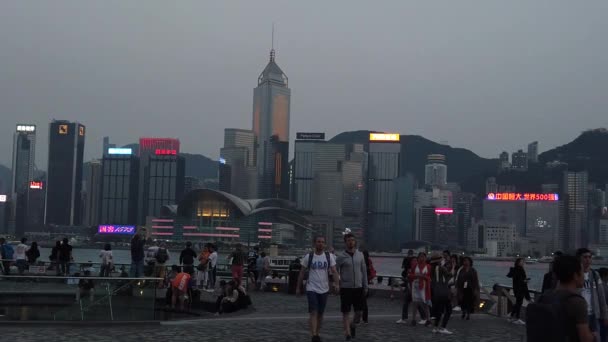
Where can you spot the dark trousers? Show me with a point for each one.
(7, 267)
(407, 300)
(519, 301)
(365, 309)
(442, 308)
(468, 301)
(65, 268)
(212, 277)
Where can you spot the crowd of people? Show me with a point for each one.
(23, 256)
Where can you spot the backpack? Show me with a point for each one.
(546, 319)
(440, 290)
(161, 256)
(310, 256)
(7, 252)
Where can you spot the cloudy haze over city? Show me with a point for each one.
(464, 72)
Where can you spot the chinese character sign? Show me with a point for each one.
(114, 229)
(513, 196)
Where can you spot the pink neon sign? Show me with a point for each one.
(439, 211)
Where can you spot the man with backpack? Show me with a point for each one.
(593, 292)
(560, 315)
(161, 257)
(316, 268)
(7, 252)
(187, 257)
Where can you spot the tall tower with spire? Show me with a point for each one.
(271, 103)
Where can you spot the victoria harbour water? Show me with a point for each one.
(490, 272)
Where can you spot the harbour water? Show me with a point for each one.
(490, 272)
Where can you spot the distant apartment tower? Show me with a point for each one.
(237, 158)
(533, 152)
(436, 171)
(519, 161)
(383, 169)
(24, 148)
(271, 116)
(163, 182)
(119, 187)
(405, 215)
(64, 175)
(93, 188)
(503, 161)
(306, 147)
(575, 189)
(106, 145)
(192, 183)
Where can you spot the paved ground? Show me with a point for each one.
(277, 317)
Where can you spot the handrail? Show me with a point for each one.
(80, 277)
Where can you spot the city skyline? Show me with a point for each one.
(445, 80)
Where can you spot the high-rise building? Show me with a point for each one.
(304, 171)
(237, 155)
(107, 146)
(436, 171)
(491, 185)
(353, 187)
(575, 189)
(519, 161)
(383, 169)
(271, 107)
(328, 194)
(503, 161)
(533, 152)
(64, 176)
(119, 188)
(192, 183)
(426, 224)
(163, 182)
(405, 216)
(24, 147)
(93, 195)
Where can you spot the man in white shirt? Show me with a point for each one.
(212, 264)
(20, 257)
(318, 265)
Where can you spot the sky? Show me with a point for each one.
(484, 75)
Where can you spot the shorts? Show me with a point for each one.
(316, 302)
(351, 298)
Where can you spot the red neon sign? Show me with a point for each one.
(151, 144)
(512, 196)
(35, 185)
(165, 152)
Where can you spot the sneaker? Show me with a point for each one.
(435, 330)
(353, 330)
(348, 338)
(457, 308)
(316, 339)
(364, 323)
(445, 331)
(519, 322)
(401, 321)
(422, 322)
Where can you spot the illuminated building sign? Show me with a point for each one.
(81, 131)
(310, 136)
(63, 129)
(165, 152)
(440, 211)
(26, 128)
(384, 137)
(2, 198)
(113, 150)
(222, 161)
(36, 185)
(118, 230)
(512, 196)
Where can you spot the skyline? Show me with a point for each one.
(413, 69)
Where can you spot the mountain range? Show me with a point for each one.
(586, 152)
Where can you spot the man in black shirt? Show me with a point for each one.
(187, 257)
(65, 256)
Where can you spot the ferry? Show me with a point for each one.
(531, 260)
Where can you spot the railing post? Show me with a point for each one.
(110, 301)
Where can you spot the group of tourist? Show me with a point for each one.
(22, 256)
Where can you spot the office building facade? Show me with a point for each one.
(436, 171)
(271, 117)
(93, 195)
(163, 183)
(533, 152)
(383, 168)
(64, 174)
(119, 189)
(519, 161)
(575, 188)
(24, 148)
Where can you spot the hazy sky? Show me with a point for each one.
(485, 75)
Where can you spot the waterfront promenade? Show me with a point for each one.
(274, 317)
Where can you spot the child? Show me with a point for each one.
(179, 289)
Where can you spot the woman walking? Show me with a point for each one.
(441, 295)
(420, 279)
(467, 284)
(520, 289)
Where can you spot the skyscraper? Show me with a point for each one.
(24, 147)
(383, 169)
(503, 161)
(519, 161)
(64, 176)
(93, 187)
(271, 106)
(236, 157)
(435, 171)
(119, 188)
(575, 189)
(533, 152)
(163, 182)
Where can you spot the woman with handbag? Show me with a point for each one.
(467, 283)
(440, 295)
(202, 268)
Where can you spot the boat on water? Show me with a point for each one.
(531, 261)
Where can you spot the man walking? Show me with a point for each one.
(353, 284)
(593, 293)
(317, 265)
